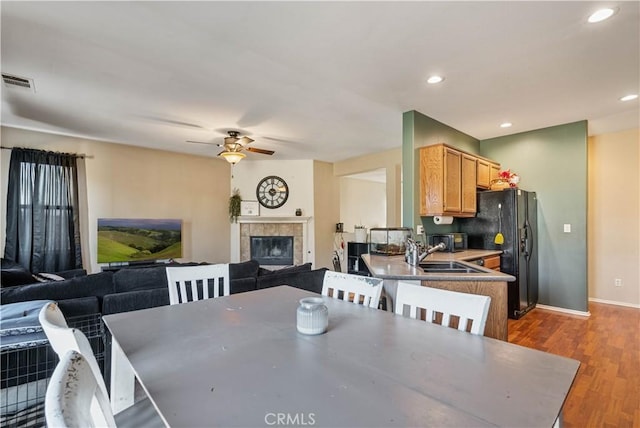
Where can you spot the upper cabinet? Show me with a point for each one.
(487, 171)
(449, 179)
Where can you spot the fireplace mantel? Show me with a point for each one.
(264, 219)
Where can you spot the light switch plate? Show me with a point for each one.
(567, 228)
(419, 229)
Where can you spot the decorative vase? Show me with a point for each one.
(312, 316)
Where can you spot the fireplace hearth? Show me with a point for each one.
(272, 250)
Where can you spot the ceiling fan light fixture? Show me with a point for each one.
(233, 157)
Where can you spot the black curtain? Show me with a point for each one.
(43, 232)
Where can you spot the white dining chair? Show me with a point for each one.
(358, 289)
(467, 307)
(74, 399)
(74, 393)
(64, 339)
(183, 282)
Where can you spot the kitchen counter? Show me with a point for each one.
(488, 282)
(394, 267)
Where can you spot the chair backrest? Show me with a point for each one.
(183, 282)
(358, 289)
(433, 301)
(73, 393)
(64, 339)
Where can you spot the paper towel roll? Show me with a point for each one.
(442, 219)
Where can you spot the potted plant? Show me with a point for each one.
(234, 205)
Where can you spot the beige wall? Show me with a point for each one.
(391, 161)
(326, 208)
(362, 202)
(130, 182)
(614, 217)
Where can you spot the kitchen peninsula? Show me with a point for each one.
(482, 281)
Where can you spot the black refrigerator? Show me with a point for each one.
(514, 211)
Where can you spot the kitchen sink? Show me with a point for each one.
(449, 267)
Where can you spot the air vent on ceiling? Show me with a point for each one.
(11, 81)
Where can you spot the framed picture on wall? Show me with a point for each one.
(249, 208)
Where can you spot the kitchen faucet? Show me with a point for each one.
(415, 251)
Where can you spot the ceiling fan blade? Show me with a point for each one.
(257, 150)
(200, 142)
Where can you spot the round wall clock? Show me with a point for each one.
(272, 192)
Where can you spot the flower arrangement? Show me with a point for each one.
(511, 177)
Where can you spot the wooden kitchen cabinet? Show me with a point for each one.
(486, 172)
(447, 182)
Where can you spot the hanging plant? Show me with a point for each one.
(234, 205)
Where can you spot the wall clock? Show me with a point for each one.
(272, 192)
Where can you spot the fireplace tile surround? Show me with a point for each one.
(270, 228)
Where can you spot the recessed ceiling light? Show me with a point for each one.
(505, 125)
(435, 79)
(629, 97)
(601, 15)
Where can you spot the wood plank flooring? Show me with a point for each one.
(606, 391)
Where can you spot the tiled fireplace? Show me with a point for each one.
(266, 228)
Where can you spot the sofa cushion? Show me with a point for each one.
(287, 270)
(247, 269)
(135, 300)
(242, 285)
(140, 279)
(79, 307)
(12, 274)
(97, 284)
(310, 280)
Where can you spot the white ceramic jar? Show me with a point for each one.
(312, 316)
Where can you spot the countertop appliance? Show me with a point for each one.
(520, 247)
(452, 241)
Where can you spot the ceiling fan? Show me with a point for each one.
(234, 145)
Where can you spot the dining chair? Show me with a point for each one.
(64, 339)
(364, 290)
(438, 303)
(74, 393)
(213, 278)
(75, 399)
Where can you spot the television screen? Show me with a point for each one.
(136, 240)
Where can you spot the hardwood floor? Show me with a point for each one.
(606, 391)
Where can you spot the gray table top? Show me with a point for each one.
(239, 361)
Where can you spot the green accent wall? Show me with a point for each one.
(418, 131)
(553, 163)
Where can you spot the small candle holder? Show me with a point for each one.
(312, 316)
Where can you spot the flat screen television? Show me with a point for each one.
(122, 240)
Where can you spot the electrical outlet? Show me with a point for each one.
(617, 282)
(419, 229)
(567, 228)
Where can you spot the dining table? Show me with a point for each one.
(239, 361)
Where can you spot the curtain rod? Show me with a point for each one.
(80, 155)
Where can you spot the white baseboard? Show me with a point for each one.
(564, 310)
(613, 302)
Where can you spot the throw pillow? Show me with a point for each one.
(46, 277)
